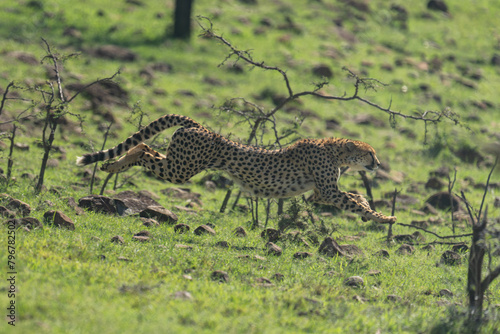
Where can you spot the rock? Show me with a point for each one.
(443, 201)
(405, 249)
(302, 255)
(183, 193)
(181, 228)
(204, 229)
(23, 57)
(495, 60)
(114, 52)
(183, 246)
(98, 203)
(142, 234)
(159, 213)
(27, 222)
(351, 250)
(149, 222)
(117, 239)
(130, 202)
(415, 236)
(59, 219)
(393, 298)
(354, 281)
(429, 248)
(322, 71)
(437, 5)
(140, 238)
(331, 248)
(240, 232)
(445, 293)
(420, 223)
(451, 258)
(382, 253)
(434, 183)
(220, 276)
(273, 249)
(278, 277)
(16, 205)
(271, 234)
(223, 244)
(123, 258)
(70, 201)
(184, 295)
(6, 213)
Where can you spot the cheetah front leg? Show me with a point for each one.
(350, 202)
(132, 158)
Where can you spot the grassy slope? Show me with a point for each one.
(64, 286)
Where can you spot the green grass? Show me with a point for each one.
(74, 282)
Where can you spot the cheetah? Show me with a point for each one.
(308, 164)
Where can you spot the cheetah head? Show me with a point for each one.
(359, 156)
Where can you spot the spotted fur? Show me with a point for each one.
(309, 164)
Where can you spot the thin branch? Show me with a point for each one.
(435, 234)
(5, 95)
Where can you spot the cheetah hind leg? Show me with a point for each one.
(132, 158)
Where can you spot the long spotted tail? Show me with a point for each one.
(147, 132)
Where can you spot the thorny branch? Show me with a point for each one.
(366, 83)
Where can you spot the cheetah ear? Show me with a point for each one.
(350, 146)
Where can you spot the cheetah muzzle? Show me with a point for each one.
(309, 164)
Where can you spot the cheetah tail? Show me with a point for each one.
(144, 134)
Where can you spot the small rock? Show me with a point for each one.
(16, 205)
(123, 258)
(302, 255)
(70, 201)
(354, 281)
(149, 222)
(429, 247)
(351, 250)
(331, 248)
(263, 280)
(240, 232)
(382, 253)
(181, 228)
(273, 249)
(451, 258)
(59, 219)
(183, 246)
(374, 272)
(182, 295)
(271, 234)
(27, 222)
(445, 293)
(393, 298)
(204, 229)
(142, 234)
(159, 213)
(278, 277)
(322, 71)
(98, 203)
(223, 244)
(220, 276)
(437, 5)
(140, 238)
(117, 239)
(405, 249)
(434, 183)
(360, 299)
(6, 213)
